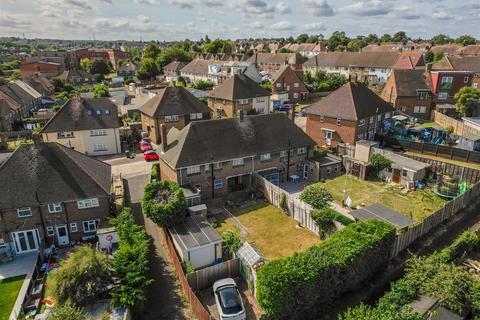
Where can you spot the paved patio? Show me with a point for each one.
(294, 188)
(22, 265)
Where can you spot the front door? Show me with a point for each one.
(396, 176)
(26, 241)
(62, 235)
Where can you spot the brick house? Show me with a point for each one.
(172, 107)
(289, 83)
(235, 94)
(56, 196)
(272, 62)
(409, 92)
(111, 55)
(77, 77)
(172, 70)
(88, 125)
(351, 113)
(47, 69)
(218, 157)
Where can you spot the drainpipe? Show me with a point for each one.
(213, 179)
(67, 219)
(41, 215)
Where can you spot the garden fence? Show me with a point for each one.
(196, 305)
(450, 209)
(459, 127)
(204, 278)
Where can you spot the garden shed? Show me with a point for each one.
(196, 241)
(377, 211)
(250, 260)
(404, 171)
(469, 141)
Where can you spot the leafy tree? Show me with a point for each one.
(57, 84)
(323, 81)
(324, 220)
(316, 195)
(151, 51)
(203, 85)
(267, 85)
(68, 87)
(181, 82)
(429, 56)
(465, 97)
(385, 38)
(302, 38)
(437, 56)
(400, 36)
(16, 75)
(357, 44)
(218, 46)
(285, 50)
(85, 64)
(148, 68)
(466, 40)
(379, 162)
(371, 38)
(440, 39)
(164, 202)
(337, 41)
(66, 311)
(83, 277)
(171, 54)
(232, 241)
(3, 81)
(99, 66)
(100, 91)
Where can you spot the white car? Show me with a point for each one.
(228, 300)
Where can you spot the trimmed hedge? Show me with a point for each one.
(164, 202)
(311, 281)
(155, 172)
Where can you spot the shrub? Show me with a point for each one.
(131, 261)
(84, 276)
(232, 241)
(164, 202)
(155, 172)
(100, 91)
(187, 267)
(316, 195)
(203, 85)
(324, 220)
(320, 152)
(379, 162)
(314, 279)
(66, 311)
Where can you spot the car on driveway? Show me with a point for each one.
(150, 155)
(144, 146)
(228, 300)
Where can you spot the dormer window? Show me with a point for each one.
(99, 112)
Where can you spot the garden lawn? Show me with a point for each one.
(9, 289)
(415, 204)
(274, 233)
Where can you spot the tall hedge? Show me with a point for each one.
(164, 202)
(311, 281)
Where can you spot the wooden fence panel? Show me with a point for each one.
(206, 277)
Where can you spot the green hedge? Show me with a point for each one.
(311, 281)
(164, 202)
(155, 172)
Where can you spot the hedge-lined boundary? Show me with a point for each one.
(170, 210)
(311, 281)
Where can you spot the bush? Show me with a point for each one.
(379, 162)
(232, 241)
(155, 172)
(320, 152)
(316, 195)
(324, 219)
(131, 261)
(187, 267)
(203, 85)
(100, 91)
(313, 280)
(66, 311)
(84, 276)
(164, 202)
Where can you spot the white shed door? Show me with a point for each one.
(202, 257)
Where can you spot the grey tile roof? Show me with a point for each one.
(231, 138)
(238, 86)
(194, 231)
(197, 66)
(68, 75)
(401, 162)
(175, 66)
(407, 82)
(352, 101)
(55, 172)
(380, 212)
(81, 114)
(354, 59)
(18, 94)
(173, 101)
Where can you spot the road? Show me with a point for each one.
(165, 298)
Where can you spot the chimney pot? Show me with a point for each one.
(163, 137)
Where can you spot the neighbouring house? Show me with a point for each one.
(398, 47)
(127, 69)
(172, 107)
(305, 49)
(219, 157)
(374, 67)
(3, 141)
(10, 115)
(77, 77)
(472, 122)
(351, 113)
(409, 91)
(88, 125)
(461, 63)
(30, 69)
(238, 93)
(41, 85)
(111, 55)
(445, 84)
(270, 63)
(172, 70)
(56, 196)
(458, 49)
(197, 70)
(410, 60)
(288, 84)
(57, 56)
(197, 241)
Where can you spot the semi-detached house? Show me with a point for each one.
(51, 194)
(218, 157)
(88, 125)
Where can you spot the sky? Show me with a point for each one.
(167, 20)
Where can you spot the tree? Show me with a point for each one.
(437, 56)
(148, 69)
(151, 51)
(100, 91)
(218, 46)
(171, 54)
(83, 277)
(337, 41)
(267, 85)
(316, 195)
(85, 64)
(379, 162)
(371, 38)
(232, 241)
(465, 97)
(385, 38)
(164, 202)
(357, 44)
(57, 84)
(302, 38)
(429, 56)
(466, 40)
(285, 50)
(16, 75)
(66, 311)
(400, 36)
(99, 66)
(440, 39)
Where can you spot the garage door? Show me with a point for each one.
(203, 256)
(273, 178)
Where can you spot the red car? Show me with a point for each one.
(144, 146)
(150, 155)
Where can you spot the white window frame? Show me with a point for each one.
(21, 212)
(260, 99)
(243, 101)
(296, 85)
(238, 162)
(328, 134)
(278, 84)
(98, 147)
(88, 203)
(55, 207)
(65, 134)
(442, 96)
(95, 223)
(379, 118)
(322, 118)
(217, 166)
(218, 183)
(302, 150)
(360, 136)
(98, 132)
(193, 170)
(173, 118)
(419, 109)
(295, 95)
(194, 116)
(361, 122)
(50, 231)
(265, 156)
(73, 227)
(465, 79)
(283, 154)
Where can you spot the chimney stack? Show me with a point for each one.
(291, 114)
(163, 137)
(240, 115)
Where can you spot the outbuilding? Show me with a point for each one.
(196, 241)
(379, 212)
(404, 171)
